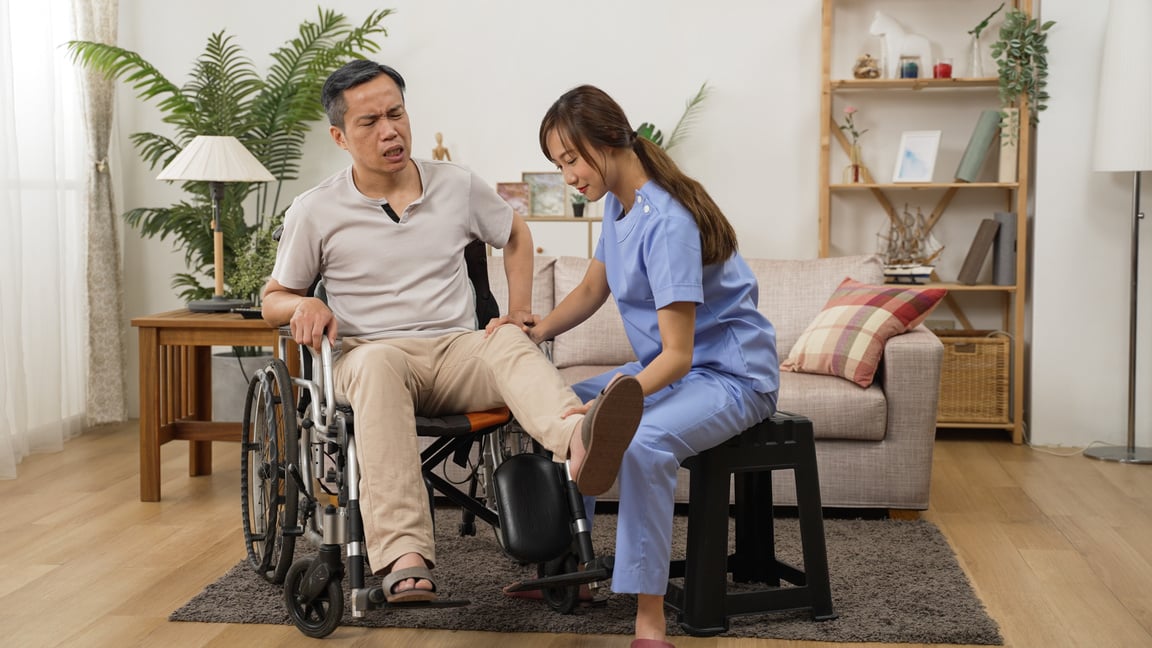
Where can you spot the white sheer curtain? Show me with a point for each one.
(43, 162)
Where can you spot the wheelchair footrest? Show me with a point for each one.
(372, 598)
(560, 580)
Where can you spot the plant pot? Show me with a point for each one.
(1009, 143)
(230, 375)
(578, 209)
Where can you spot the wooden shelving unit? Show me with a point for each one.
(1013, 298)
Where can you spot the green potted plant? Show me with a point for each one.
(225, 95)
(1021, 55)
(579, 200)
(648, 130)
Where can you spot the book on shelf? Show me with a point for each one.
(1004, 250)
(981, 142)
(978, 252)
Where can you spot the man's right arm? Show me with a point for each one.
(307, 317)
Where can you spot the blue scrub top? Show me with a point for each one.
(652, 258)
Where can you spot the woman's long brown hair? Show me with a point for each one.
(590, 121)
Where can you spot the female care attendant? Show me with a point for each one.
(707, 357)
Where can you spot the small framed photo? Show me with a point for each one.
(546, 193)
(517, 195)
(917, 156)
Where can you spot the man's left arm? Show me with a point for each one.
(518, 266)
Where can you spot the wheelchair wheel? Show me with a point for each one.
(561, 599)
(269, 496)
(320, 616)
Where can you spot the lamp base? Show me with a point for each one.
(217, 305)
(1121, 454)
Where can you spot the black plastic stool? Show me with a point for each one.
(783, 442)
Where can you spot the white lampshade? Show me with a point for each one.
(218, 158)
(1124, 105)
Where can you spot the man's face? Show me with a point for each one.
(376, 130)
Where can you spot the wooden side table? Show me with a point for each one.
(176, 385)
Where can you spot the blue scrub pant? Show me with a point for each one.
(695, 413)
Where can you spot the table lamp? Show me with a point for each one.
(216, 159)
(1124, 143)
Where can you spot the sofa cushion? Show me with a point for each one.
(792, 291)
(599, 340)
(838, 409)
(542, 284)
(847, 337)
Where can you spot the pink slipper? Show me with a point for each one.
(651, 643)
(607, 430)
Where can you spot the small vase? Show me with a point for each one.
(578, 209)
(854, 172)
(976, 60)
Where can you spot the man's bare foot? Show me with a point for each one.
(404, 562)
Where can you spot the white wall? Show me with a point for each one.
(1082, 256)
(484, 72)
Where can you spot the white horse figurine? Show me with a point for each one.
(897, 43)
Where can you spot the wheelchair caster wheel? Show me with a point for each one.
(320, 616)
(560, 599)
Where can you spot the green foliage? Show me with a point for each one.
(648, 130)
(979, 28)
(1022, 61)
(225, 95)
(578, 198)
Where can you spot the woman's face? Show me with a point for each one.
(578, 173)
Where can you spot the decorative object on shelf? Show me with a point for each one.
(975, 51)
(216, 160)
(897, 43)
(579, 201)
(908, 248)
(441, 151)
(1004, 250)
(516, 194)
(942, 69)
(853, 173)
(648, 130)
(916, 158)
(545, 192)
(983, 135)
(1022, 62)
(866, 67)
(1009, 148)
(1123, 131)
(225, 95)
(978, 252)
(910, 66)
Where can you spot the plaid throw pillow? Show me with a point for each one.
(847, 338)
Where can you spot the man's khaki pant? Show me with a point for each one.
(388, 382)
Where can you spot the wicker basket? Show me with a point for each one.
(974, 377)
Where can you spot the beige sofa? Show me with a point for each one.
(874, 445)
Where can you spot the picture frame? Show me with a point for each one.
(517, 195)
(916, 158)
(546, 193)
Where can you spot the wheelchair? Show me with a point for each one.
(300, 479)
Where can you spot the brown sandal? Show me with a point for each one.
(412, 594)
(607, 430)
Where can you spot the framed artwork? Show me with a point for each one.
(515, 194)
(546, 193)
(917, 156)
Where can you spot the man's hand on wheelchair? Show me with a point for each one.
(310, 321)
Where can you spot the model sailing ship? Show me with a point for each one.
(908, 248)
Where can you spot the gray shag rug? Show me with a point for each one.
(892, 582)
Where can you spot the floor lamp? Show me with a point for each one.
(216, 159)
(1124, 143)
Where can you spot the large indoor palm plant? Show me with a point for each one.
(225, 95)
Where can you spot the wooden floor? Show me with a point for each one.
(1059, 548)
